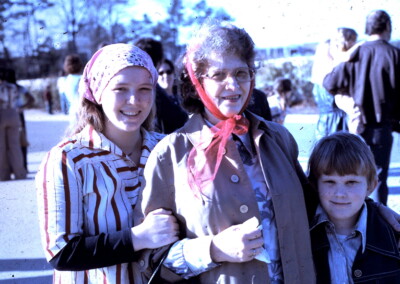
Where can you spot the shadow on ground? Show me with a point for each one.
(30, 280)
(26, 264)
(16, 266)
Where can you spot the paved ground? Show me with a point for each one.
(21, 257)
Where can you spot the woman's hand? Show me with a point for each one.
(158, 229)
(239, 243)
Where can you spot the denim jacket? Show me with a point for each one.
(380, 262)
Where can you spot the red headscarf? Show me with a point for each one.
(203, 161)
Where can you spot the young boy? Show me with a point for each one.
(351, 242)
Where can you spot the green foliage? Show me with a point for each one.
(297, 69)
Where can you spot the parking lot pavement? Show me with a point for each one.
(21, 256)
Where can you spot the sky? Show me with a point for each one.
(273, 23)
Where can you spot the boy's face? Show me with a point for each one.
(342, 196)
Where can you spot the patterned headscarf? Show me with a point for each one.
(107, 62)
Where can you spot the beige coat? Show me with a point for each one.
(223, 201)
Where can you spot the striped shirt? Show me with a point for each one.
(87, 188)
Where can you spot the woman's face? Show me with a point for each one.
(166, 76)
(127, 100)
(228, 95)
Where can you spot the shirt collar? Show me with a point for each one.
(90, 138)
(361, 226)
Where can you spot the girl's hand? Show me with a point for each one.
(239, 243)
(158, 229)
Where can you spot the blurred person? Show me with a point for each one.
(328, 54)
(259, 104)
(371, 77)
(25, 100)
(343, 41)
(11, 156)
(69, 86)
(277, 99)
(61, 93)
(346, 43)
(89, 184)
(166, 80)
(48, 99)
(169, 115)
(166, 77)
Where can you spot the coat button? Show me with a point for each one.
(244, 209)
(224, 151)
(357, 273)
(234, 179)
(141, 263)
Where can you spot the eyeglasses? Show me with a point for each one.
(168, 72)
(242, 75)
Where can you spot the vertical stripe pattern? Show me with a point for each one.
(86, 186)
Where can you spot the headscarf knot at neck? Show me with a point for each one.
(203, 162)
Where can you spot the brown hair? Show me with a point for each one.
(153, 47)
(349, 36)
(282, 85)
(342, 153)
(377, 22)
(72, 64)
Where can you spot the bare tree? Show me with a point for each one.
(19, 19)
(101, 17)
(80, 26)
(179, 17)
(4, 17)
(73, 15)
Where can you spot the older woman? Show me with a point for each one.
(88, 184)
(226, 172)
(231, 178)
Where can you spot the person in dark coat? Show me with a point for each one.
(169, 115)
(372, 78)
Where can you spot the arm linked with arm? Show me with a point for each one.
(187, 257)
(61, 221)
